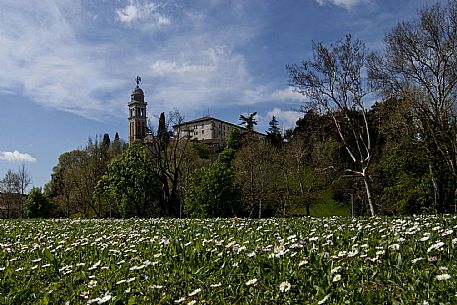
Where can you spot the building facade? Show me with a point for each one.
(208, 130)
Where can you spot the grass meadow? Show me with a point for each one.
(334, 260)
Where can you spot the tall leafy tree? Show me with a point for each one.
(212, 192)
(420, 64)
(132, 183)
(38, 205)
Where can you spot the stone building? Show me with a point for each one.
(208, 130)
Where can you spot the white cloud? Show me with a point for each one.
(43, 58)
(286, 118)
(200, 71)
(347, 4)
(287, 94)
(171, 68)
(16, 156)
(142, 12)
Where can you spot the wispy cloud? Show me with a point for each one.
(287, 94)
(16, 156)
(43, 58)
(145, 12)
(194, 72)
(347, 4)
(287, 118)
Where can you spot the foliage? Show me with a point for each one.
(38, 205)
(419, 65)
(132, 183)
(274, 135)
(308, 260)
(76, 175)
(248, 121)
(212, 193)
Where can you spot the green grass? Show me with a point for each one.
(163, 261)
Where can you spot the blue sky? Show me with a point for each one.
(67, 67)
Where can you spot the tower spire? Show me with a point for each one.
(137, 113)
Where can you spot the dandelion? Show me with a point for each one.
(92, 283)
(443, 277)
(251, 282)
(337, 277)
(215, 285)
(195, 292)
(191, 302)
(284, 286)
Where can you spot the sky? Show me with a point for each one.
(67, 67)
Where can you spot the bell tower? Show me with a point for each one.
(137, 114)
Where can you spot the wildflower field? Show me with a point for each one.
(230, 261)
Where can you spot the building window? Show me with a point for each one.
(203, 131)
(195, 126)
(203, 125)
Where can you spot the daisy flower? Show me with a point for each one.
(284, 286)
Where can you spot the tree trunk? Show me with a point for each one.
(367, 182)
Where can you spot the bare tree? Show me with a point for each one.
(24, 179)
(333, 80)
(420, 64)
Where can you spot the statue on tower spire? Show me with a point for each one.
(138, 80)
